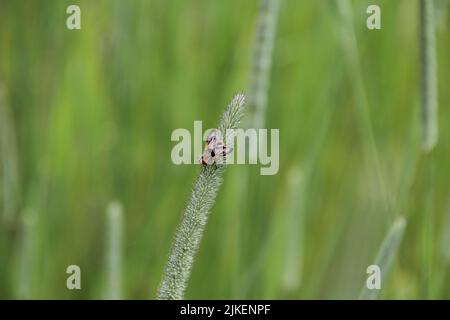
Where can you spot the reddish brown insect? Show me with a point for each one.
(215, 150)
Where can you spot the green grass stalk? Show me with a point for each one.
(428, 76)
(293, 226)
(114, 243)
(9, 174)
(189, 233)
(258, 88)
(350, 47)
(24, 281)
(261, 61)
(385, 256)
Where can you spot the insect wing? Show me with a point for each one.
(226, 150)
(220, 153)
(212, 138)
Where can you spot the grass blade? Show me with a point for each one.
(9, 174)
(385, 255)
(25, 281)
(113, 289)
(350, 48)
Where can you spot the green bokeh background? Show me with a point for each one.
(92, 113)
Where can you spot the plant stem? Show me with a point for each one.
(261, 62)
(9, 174)
(113, 288)
(386, 254)
(428, 77)
(189, 233)
(350, 47)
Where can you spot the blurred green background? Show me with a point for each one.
(87, 117)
